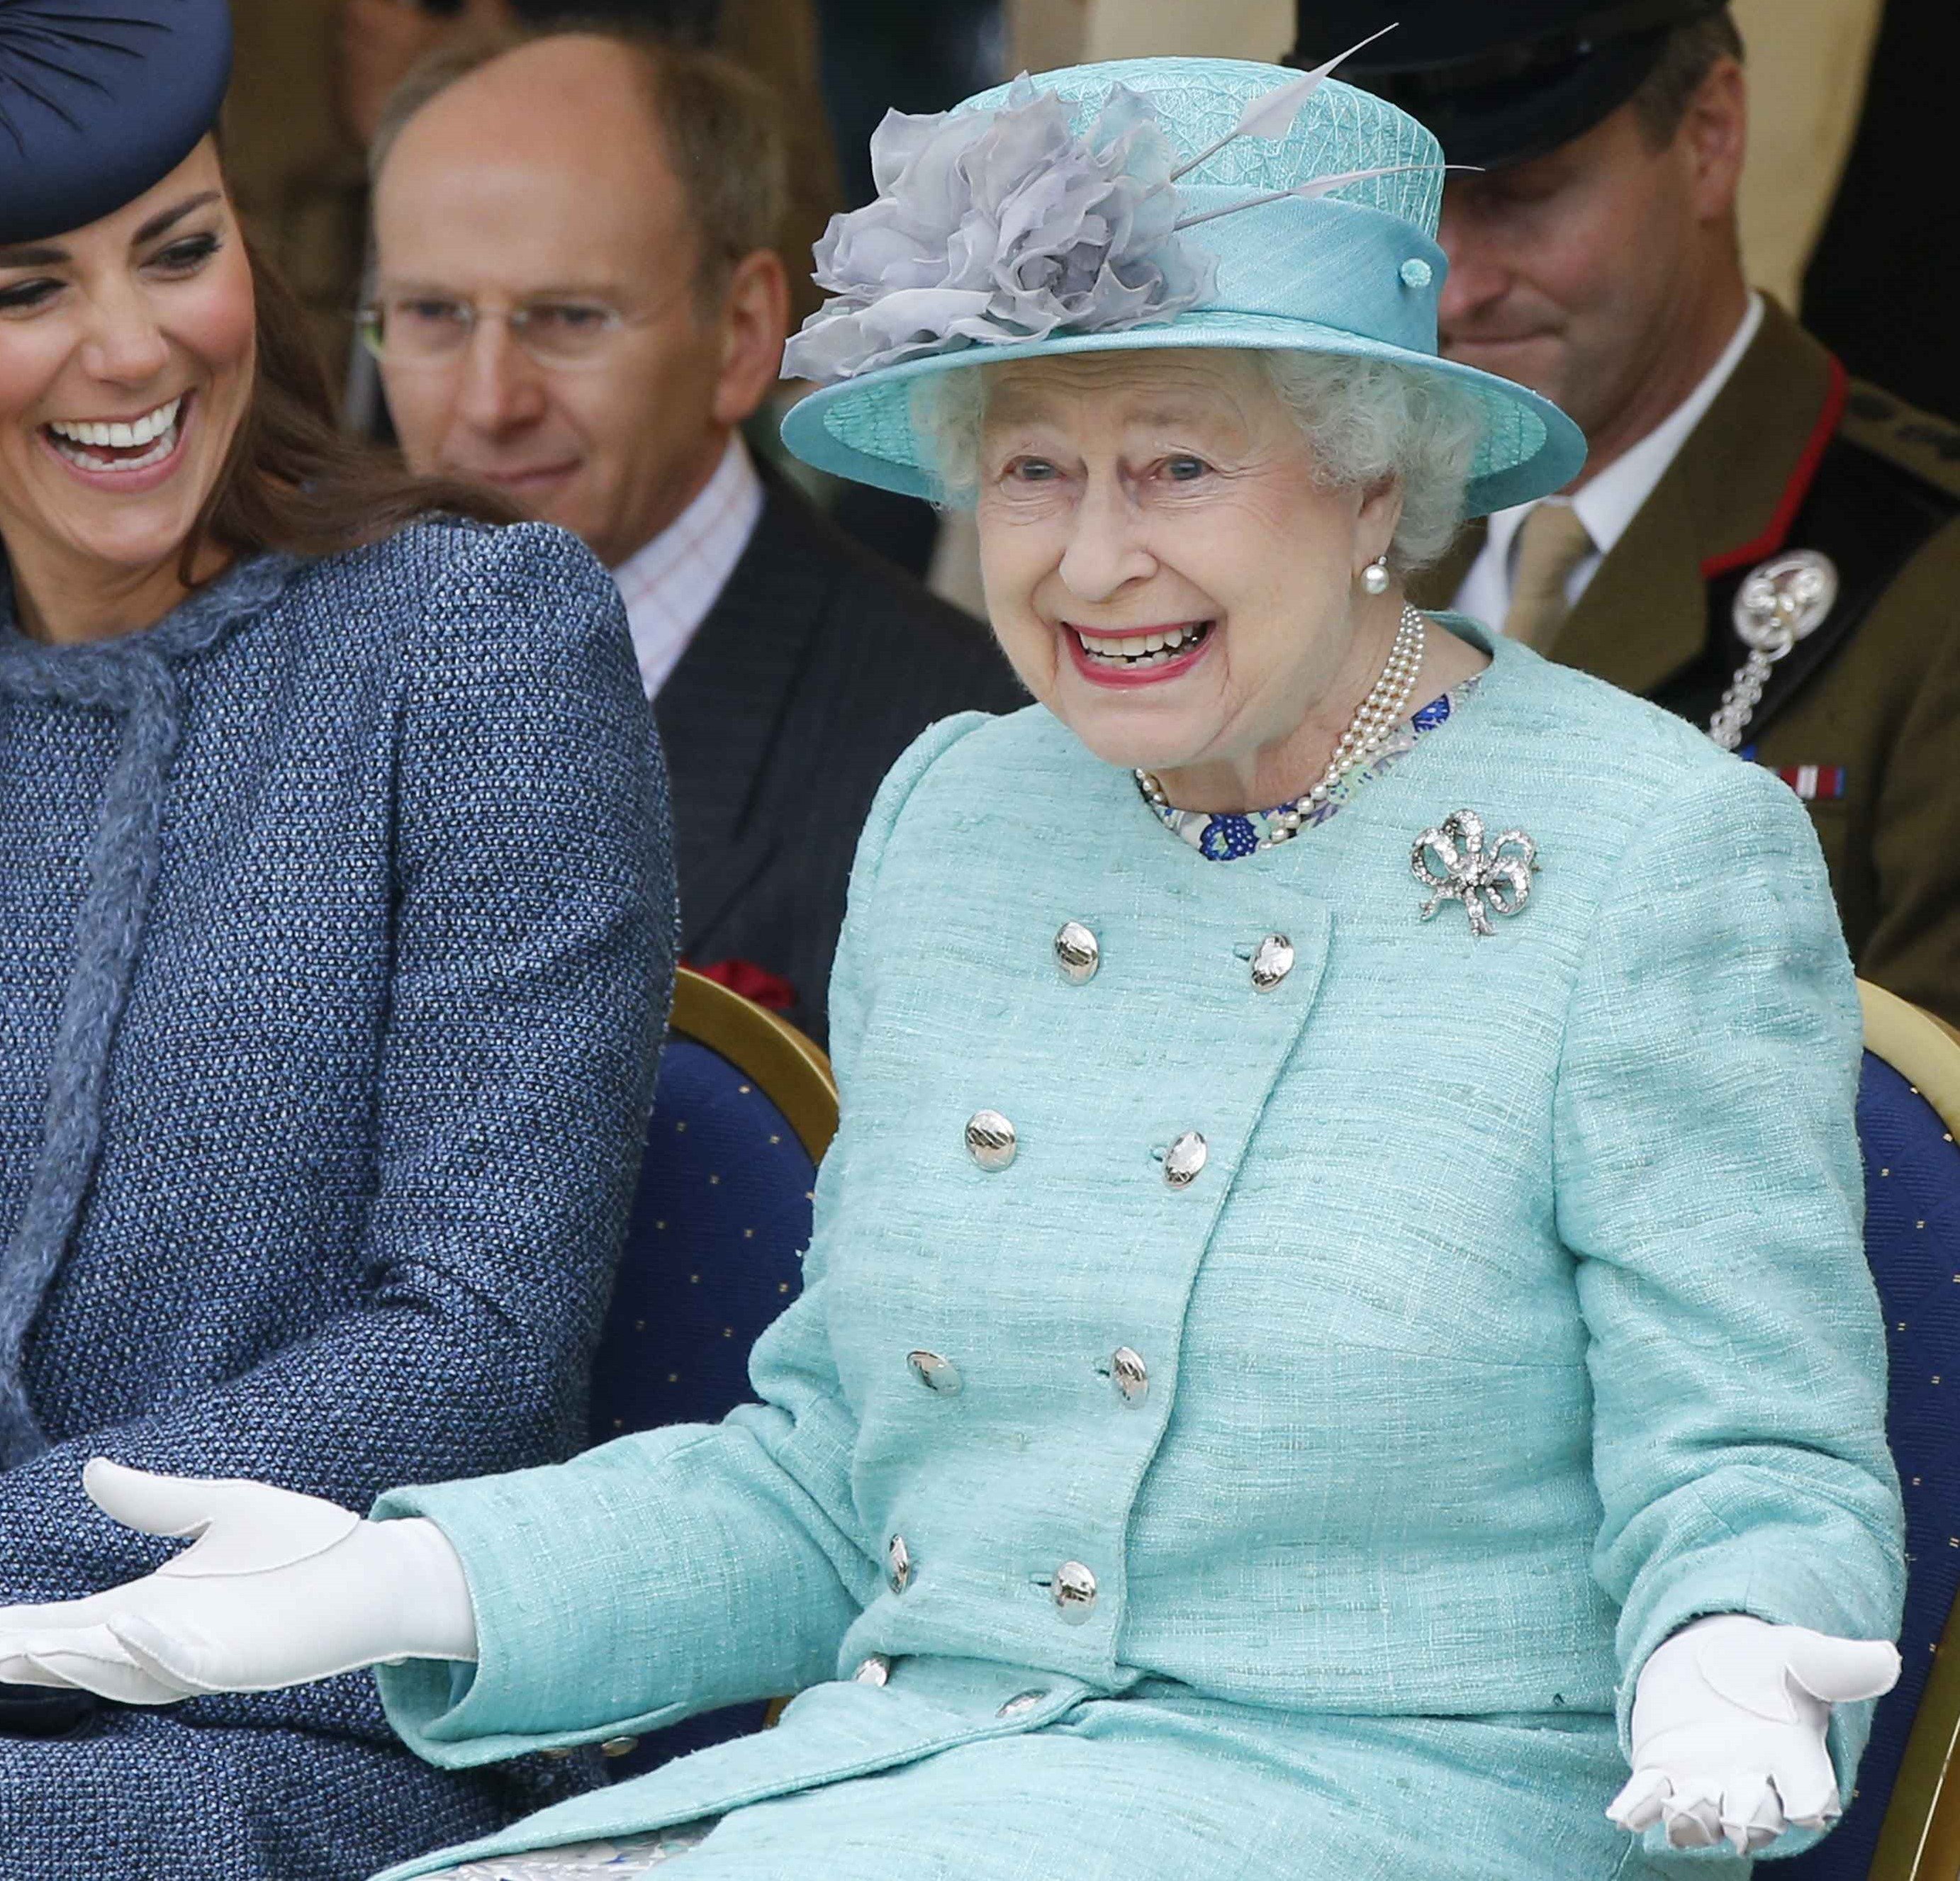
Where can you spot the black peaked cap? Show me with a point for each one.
(99, 100)
(1498, 81)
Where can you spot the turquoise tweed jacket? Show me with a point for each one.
(1518, 1316)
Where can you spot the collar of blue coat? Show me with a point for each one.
(134, 677)
(88, 672)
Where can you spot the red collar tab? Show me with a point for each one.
(1772, 538)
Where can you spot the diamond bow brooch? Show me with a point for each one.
(1496, 880)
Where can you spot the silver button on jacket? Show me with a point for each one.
(1021, 1701)
(1185, 1159)
(990, 1140)
(1272, 961)
(1130, 1375)
(875, 1670)
(1077, 953)
(898, 1564)
(1074, 1591)
(937, 1374)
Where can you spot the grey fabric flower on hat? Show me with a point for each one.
(994, 226)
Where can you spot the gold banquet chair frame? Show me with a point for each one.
(791, 1071)
(1920, 1840)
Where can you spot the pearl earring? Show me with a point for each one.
(1374, 577)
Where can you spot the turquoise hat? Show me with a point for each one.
(1137, 204)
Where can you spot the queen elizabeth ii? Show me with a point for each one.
(1336, 1319)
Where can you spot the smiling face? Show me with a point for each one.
(127, 352)
(1604, 274)
(1167, 574)
(542, 181)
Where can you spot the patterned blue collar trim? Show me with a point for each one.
(1229, 837)
(133, 676)
(199, 621)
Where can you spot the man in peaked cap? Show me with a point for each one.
(1743, 496)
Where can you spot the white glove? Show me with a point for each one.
(1728, 1730)
(278, 1590)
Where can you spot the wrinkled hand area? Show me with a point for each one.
(1728, 1724)
(277, 1589)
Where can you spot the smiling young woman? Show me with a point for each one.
(162, 412)
(338, 922)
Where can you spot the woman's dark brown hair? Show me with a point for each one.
(291, 479)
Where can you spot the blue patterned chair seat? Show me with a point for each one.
(714, 1249)
(1912, 1240)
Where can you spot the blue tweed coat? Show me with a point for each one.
(337, 928)
(1518, 1316)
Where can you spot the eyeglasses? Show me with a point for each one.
(412, 330)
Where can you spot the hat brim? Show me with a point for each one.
(1495, 126)
(862, 429)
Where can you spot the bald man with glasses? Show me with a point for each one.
(557, 315)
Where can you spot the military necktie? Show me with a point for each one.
(1552, 541)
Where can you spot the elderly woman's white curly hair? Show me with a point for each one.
(1365, 419)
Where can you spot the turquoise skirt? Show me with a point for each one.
(1159, 1786)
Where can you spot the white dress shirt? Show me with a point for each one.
(1608, 504)
(669, 585)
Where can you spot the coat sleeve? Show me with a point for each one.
(1709, 1183)
(533, 933)
(689, 1568)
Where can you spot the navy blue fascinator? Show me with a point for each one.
(99, 100)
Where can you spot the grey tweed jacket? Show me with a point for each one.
(336, 932)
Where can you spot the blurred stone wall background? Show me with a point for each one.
(1847, 207)
(295, 167)
(310, 73)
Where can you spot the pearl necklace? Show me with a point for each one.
(1367, 732)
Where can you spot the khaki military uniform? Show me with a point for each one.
(1861, 719)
